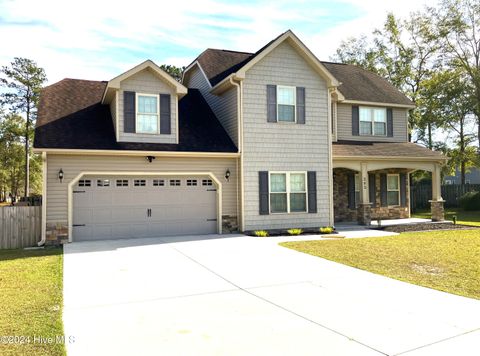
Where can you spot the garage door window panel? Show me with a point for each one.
(122, 183)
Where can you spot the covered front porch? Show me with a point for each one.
(370, 186)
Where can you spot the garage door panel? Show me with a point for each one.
(83, 216)
(112, 212)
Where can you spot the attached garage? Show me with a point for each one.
(116, 207)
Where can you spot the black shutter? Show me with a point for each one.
(403, 189)
(371, 189)
(129, 111)
(351, 191)
(355, 121)
(165, 116)
(383, 190)
(263, 190)
(312, 192)
(271, 103)
(301, 105)
(389, 122)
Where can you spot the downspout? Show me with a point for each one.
(44, 199)
(331, 216)
(239, 87)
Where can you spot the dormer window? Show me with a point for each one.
(147, 114)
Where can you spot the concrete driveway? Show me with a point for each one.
(248, 296)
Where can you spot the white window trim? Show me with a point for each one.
(137, 113)
(394, 190)
(372, 120)
(294, 104)
(287, 182)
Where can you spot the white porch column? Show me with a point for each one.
(364, 210)
(438, 213)
(364, 196)
(436, 183)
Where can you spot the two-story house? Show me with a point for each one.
(268, 140)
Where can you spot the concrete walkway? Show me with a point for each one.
(243, 295)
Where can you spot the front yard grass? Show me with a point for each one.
(31, 300)
(447, 260)
(471, 218)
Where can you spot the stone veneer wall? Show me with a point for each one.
(340, 198)
(57, 233)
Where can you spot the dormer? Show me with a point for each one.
(144, 104)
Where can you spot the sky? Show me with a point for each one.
(100, 39)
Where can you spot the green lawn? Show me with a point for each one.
(447, 260)
(463, 217)
(31, 300)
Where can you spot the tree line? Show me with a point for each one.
(20, 85)
(433, 57)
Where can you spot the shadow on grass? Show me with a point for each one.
(20, 253)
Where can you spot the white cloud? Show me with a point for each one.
(98, 39)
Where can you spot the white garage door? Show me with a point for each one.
(130, 207)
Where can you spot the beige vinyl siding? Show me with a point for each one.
(285, 146)
(344, 126)
(146, 82)
(73, 165)
(224, 106)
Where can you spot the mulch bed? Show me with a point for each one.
(425, 227)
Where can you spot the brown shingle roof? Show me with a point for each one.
(66, 97)
(363, 85)
(71, 116)
(377, 149)
(357, 83)
(219, 63)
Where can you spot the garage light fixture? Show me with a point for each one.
(227, 174)
(60, 175)
(150, 158)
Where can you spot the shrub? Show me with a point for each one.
(470, 201)
(326, 230)
(261, 233)
(294, 231)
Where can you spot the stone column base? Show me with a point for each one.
(438, 212)
(364, 214)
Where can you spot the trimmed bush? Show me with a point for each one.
(326, 230)
(294, 231)
(470, 201)
(261, 233)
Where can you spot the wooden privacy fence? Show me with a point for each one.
(421, 194)
(20, 226)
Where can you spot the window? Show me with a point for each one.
(357, 189)
(448, 182)
(393, 189)
(84, 183)
(139, 182)
(122, 183)
(147, 113)
(158, 182)
(175, 182)
(191, 182)
(286, 104)
(467, 181)
(103, 182)
(373, 121)
(288, 192)
(207, 182)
